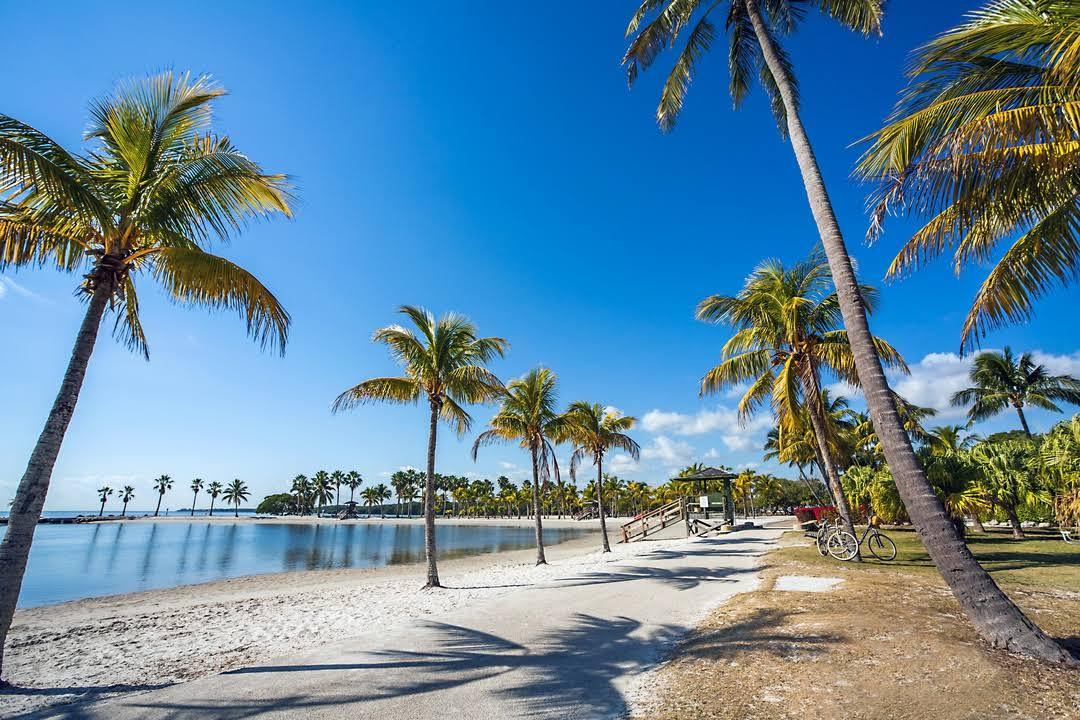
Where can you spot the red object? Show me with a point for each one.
(815, 512)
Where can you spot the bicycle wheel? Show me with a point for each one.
(821, 541)
(843, 545)
(881, 546)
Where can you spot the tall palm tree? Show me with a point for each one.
(1000, 380)
(323, 489)
(154, 189)
(353, 480)
(983, 146)
(301, 490)
(127, 496)
(788, 333)
(754, 28)
(338, 477)
(236, 493)
(382, 494)
(594, 430)
(370, 496)
(103, 495)
(196, 486)
(443, 364)
(162, 485)
(528, 417)
(214, 489)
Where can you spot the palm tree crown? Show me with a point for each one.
(443, 362)
(1000, 380)
(983, 145)
(157, 187)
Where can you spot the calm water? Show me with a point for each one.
(68, 562)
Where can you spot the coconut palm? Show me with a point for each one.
(754, 28)
(983, 147)
(353, 480)
(196, 486)
(1060, 458)
(162, 485)
(444, 365)
(322, 488)
(370, 496)
(527, 416)
(235, 493)
(103, 495)
(788, 334)
(948, 439)
(126, 496)
(301, 491)
(155, 187)
(1008, 475)
(214, 489)
(595, 430)
(1000, 380)
(338, 477)
(382, 494)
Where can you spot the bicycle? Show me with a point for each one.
(842, 545)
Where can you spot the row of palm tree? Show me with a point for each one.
(234, 493)
(321, 489)
(984, 141)
(444, 361)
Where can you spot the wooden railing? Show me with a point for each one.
(654, 521)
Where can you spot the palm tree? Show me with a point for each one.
(982, 145)
(154, 189)
(593, 430)
(236, 493)
(949, 439)
(787, 334)
(213, 490)
(338, 477)
(353, 480)
(196, 486)
(301, 489)
(382, 494)
(127, 496)
(369, 496)
(753, 28)
(161, 485)
(999, 381)
(445, 366)
(528, 417)
(322, 488)
(103, 494)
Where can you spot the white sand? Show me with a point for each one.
(165, 636)
(805, 583)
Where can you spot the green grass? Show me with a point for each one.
(1042, 559)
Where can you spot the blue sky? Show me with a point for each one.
(490, 161)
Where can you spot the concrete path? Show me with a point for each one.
(568, 649)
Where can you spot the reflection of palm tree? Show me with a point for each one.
(127, 496)
(444, 365)
(161, 485)
(103, 495)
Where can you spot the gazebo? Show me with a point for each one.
(711, 474)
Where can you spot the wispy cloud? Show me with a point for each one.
(10, 287)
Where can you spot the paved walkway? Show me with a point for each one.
(568, 649)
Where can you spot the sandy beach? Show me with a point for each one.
(118, 644)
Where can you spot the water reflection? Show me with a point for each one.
(73, 561)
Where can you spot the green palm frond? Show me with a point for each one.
(194, 276)
(399, 390)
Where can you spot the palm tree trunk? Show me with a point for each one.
(236, 509)
(540, 559)
(34, 485)
(124, 511)
(817, 422)
(158, 508)
(1014, 521)
(212, 499)
(102, 510)
(994, 615)
(429, 494)
(1023, 421)
(600, 500)
(193, 503)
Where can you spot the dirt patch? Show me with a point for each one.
(879, 645)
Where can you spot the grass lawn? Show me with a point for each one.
(889, 642)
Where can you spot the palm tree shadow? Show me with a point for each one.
(682, 578)
(83, 696)
(760, 632)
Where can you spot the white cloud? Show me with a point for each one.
(1059, 364)
(507, 465)
(670, 453)
(7, 285)
(622, 464)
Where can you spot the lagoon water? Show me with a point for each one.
(68, 562)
